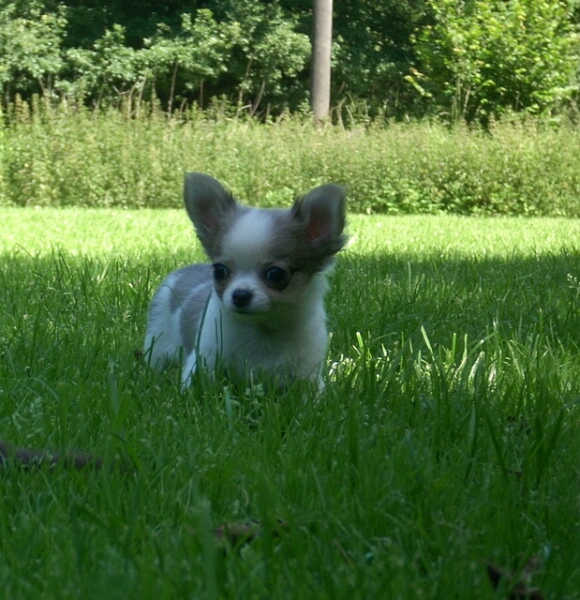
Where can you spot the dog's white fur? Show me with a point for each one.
(263, 307)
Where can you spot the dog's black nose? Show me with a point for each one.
(241, 298)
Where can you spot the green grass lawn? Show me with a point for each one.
(448, 436)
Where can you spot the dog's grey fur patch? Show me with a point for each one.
(292, 244)
(190, 290)
(185, 280)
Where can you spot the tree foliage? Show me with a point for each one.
(480, 57)
(467, 59)
(30, 46)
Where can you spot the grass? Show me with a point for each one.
(447, 436)
(63, 158)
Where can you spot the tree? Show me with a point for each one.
(30, 42)
(199, 52)
(321, 59)
(268, 56)
(481, 58)
(106, 71)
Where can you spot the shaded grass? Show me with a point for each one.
(447, 435)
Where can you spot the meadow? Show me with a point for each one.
(445, 445)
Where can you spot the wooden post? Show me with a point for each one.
(321, 59)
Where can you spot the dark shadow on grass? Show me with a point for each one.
(385, 297)
(391, 296)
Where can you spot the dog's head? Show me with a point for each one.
(264, 259)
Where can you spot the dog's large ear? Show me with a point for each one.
(322, 211)
(208, 205)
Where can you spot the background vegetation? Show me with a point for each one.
(447, 438)
(466, 107)
(456, 59)
(65, 157)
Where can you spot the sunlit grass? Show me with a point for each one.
(447, 435)
(98, 232)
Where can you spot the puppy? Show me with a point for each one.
(260, 304)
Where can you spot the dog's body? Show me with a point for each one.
(261, 304)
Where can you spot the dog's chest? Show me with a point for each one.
(249, 346)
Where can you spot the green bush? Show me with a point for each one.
(482, 58)
(102, 159)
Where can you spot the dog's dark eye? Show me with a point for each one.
(277, 277)
(220, 272)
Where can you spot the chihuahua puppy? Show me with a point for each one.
(260, 304)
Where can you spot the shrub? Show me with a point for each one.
(69, 157)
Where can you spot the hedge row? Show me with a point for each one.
(103, 160)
